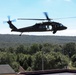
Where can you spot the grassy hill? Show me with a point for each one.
(11, 40)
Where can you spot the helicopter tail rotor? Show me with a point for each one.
(14, 20)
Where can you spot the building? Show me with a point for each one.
(51, 72)
(6, 70)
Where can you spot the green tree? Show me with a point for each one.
(58, 48)
(34, 48)
(7, 58)
(20, 49)
(46, 49)
(27, 62)
(73, 58)
(29, 69)
(56, 60)
(21, 58)
(69, 49)
(2, 49)
(37, 61)
(11, 50)
(15, 66)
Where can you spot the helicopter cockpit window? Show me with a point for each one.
(61, 25)
(57, 26)
(42, 26)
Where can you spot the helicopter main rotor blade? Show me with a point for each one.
(46, 19)
(64, 18)
(30, 19)
(45, 13)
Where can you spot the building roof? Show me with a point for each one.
(6, 69)
(51, 72)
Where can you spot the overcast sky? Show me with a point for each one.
(34, 9)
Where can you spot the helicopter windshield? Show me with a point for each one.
(61, 24)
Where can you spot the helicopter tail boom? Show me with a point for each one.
(12, 26)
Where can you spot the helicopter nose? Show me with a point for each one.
(65, 27)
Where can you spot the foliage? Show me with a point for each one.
(69, 49)
(37, 60)
(15, 66)
(29, 69)
(39, 56)
(56, 60)
(74, 60)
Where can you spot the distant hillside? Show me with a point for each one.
(9, 40)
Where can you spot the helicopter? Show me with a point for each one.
(38, 27)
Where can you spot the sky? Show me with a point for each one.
(34, 9)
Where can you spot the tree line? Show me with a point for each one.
(40, 56)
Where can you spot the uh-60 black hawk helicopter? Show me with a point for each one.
(38, 27)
